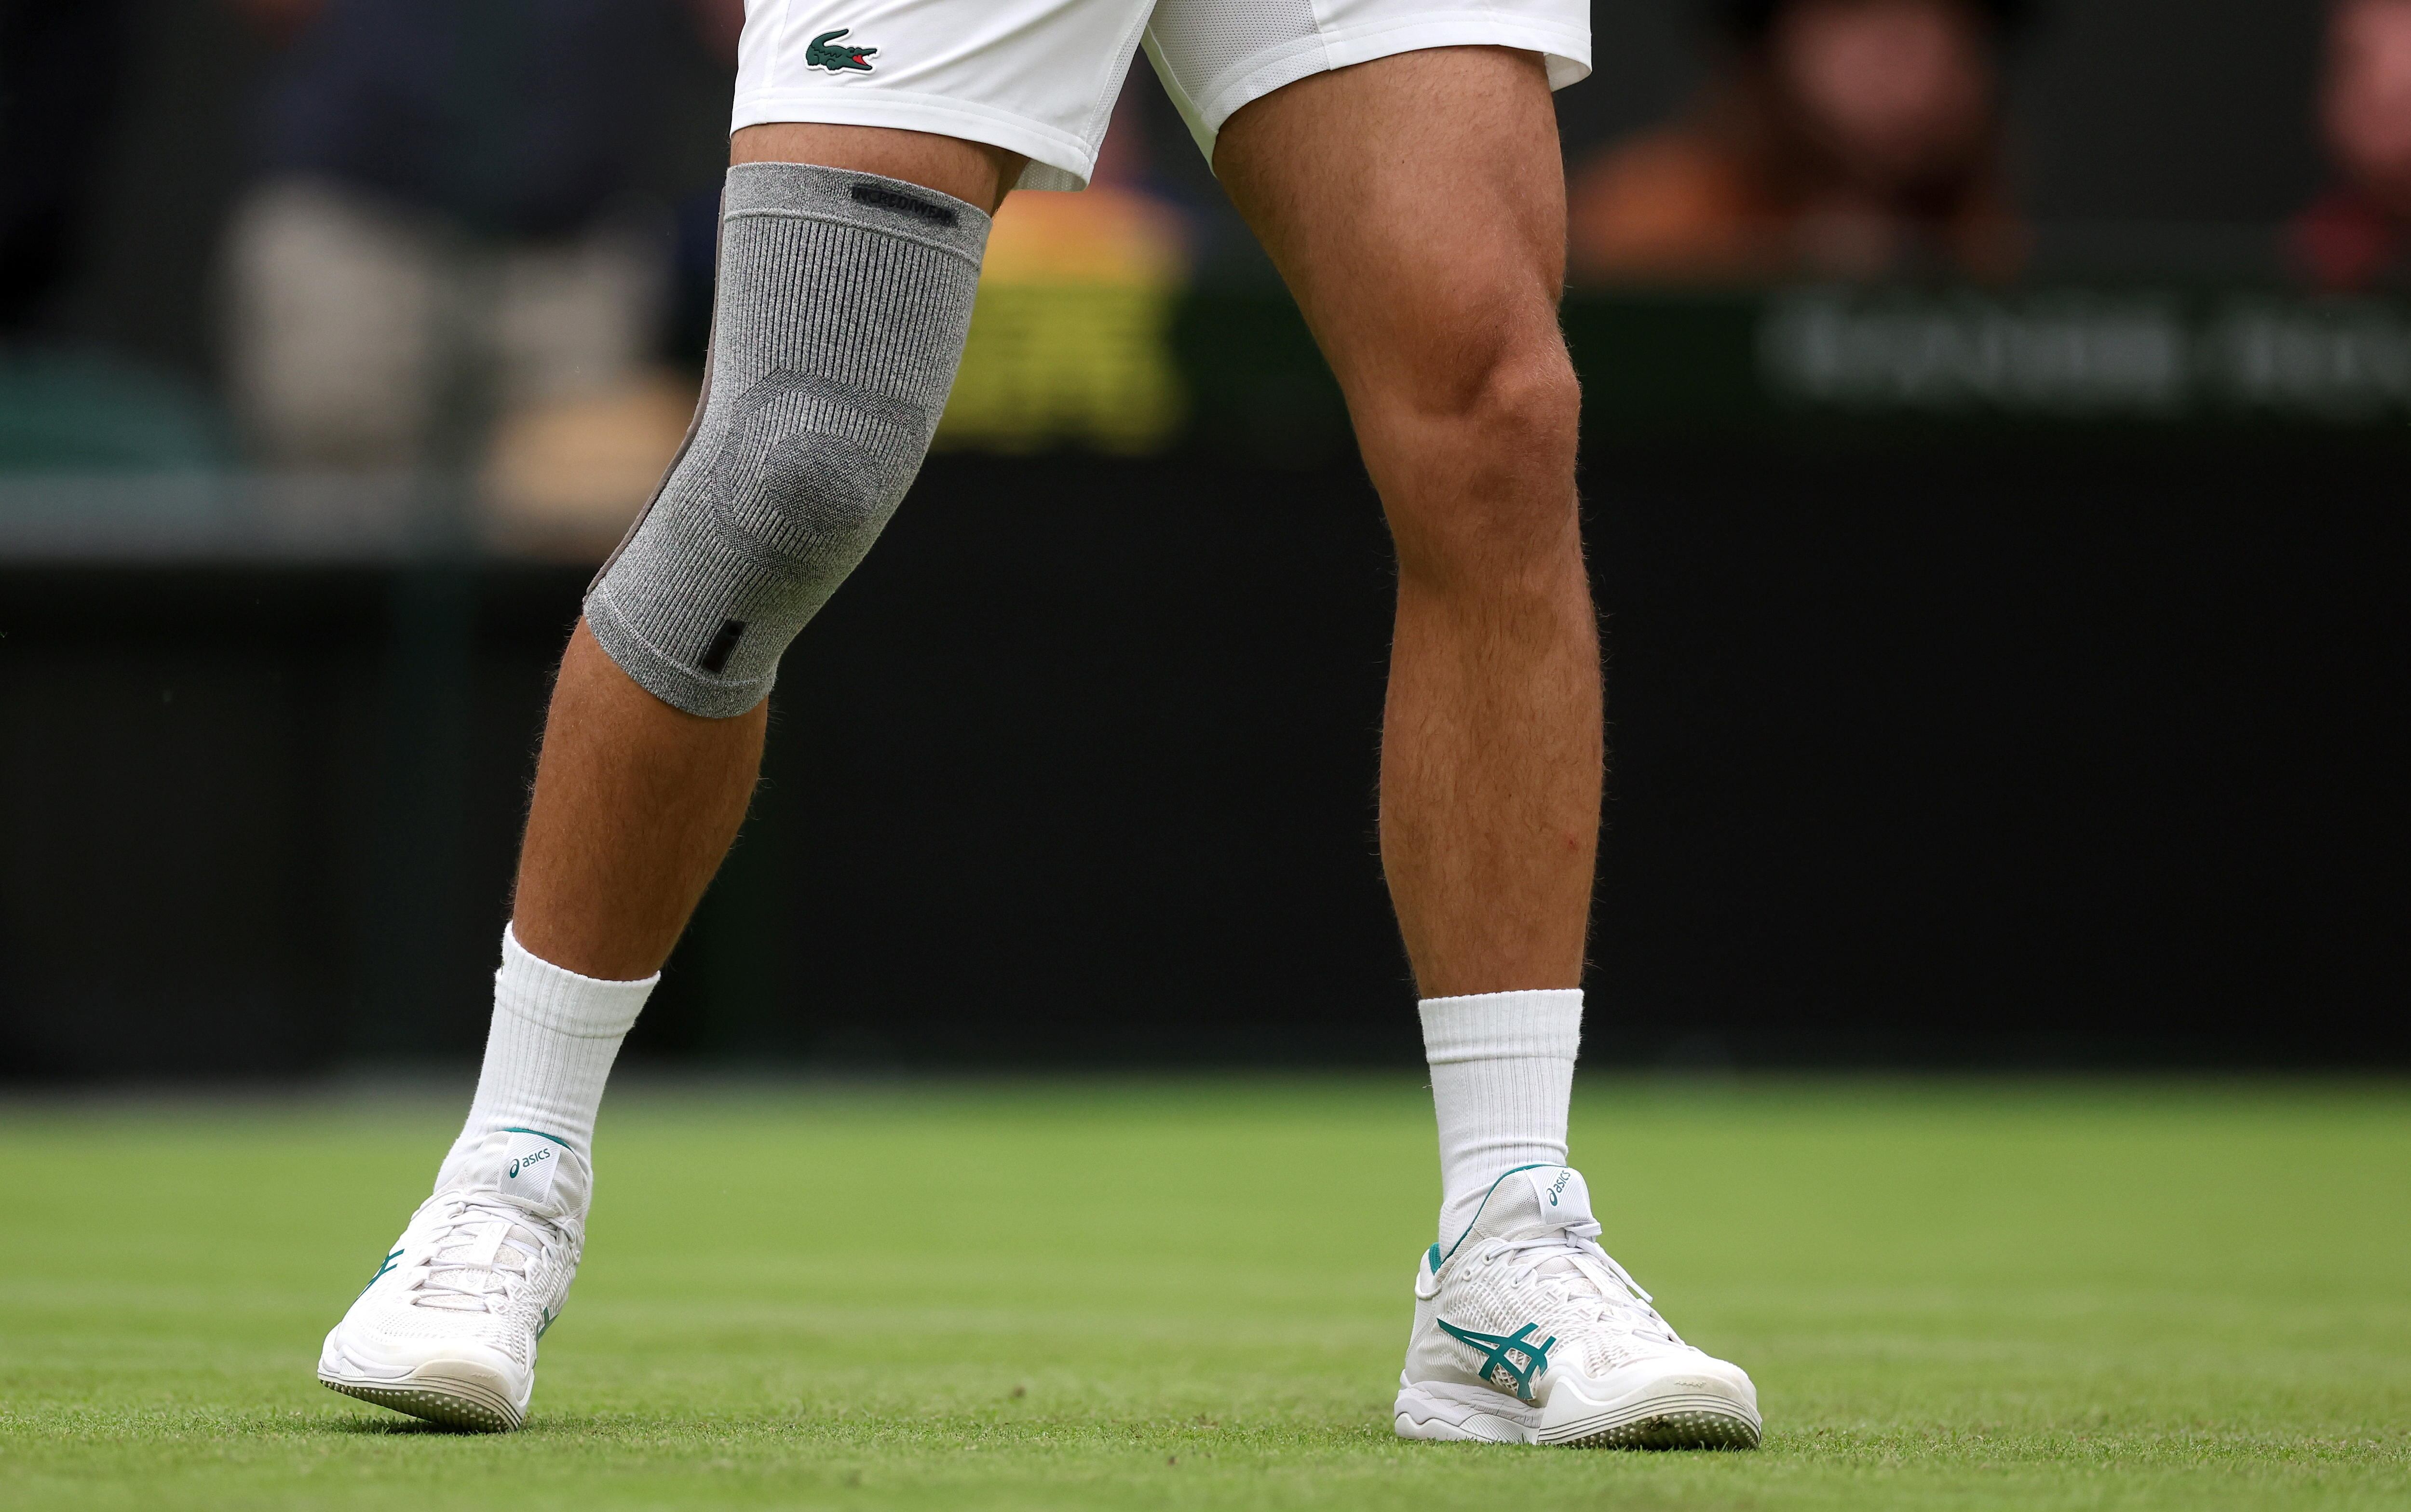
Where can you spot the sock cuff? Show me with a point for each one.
(1505, 1025)
(554, 997)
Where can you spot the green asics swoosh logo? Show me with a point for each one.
(549, 1315)
(1499, 1351)
(823, 54)
(381, 1270)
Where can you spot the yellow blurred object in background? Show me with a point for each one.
(1071, 341)
(564, 478)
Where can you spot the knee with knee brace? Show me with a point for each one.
(844, 301)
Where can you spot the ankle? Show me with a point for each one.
(1502, 1077)
(549, 1049)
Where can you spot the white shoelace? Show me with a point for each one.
(448, 1277)
(1551, 1258)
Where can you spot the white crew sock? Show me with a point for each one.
(550, 1048)
(1502, 1071)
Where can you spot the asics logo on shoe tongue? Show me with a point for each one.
(1558, 1190)
(529, 1160)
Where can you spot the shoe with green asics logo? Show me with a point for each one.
(1527, 1332)
(446, 1328)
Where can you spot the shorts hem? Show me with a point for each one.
(1566, 50)
(1057, 159)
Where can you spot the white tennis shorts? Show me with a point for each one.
(1039, 77)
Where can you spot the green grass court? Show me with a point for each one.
(1125, 1294)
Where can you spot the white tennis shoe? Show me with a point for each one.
(446, 1328)
(1526, 1332)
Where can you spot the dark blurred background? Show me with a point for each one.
(1995, 475)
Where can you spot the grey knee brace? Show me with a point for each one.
(844, 301)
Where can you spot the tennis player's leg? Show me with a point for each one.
(653, 740)
(638, 800)
(865, 162)
(1415, 205)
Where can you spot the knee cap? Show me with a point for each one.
(843, 302)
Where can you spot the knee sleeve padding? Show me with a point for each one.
(844, 301)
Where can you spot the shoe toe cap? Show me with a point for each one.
(1689, 1372)
(357, 1349)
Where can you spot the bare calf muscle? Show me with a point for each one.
(635, 804)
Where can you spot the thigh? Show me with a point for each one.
(1415, 205)
(1032, 78)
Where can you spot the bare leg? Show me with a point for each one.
(636, 802)
(1416, 207)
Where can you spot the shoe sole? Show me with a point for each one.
(457, 1397)
(1669, 1421)
(1665, 1422)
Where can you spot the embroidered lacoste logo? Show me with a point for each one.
(528, 1161)
(826, 53)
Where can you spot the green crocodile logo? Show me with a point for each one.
(826, 54)
(1499, 1351)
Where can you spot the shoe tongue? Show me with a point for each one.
(1538, 1200)
(465, 1264)
(1541, 1201)
(522, 1169)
